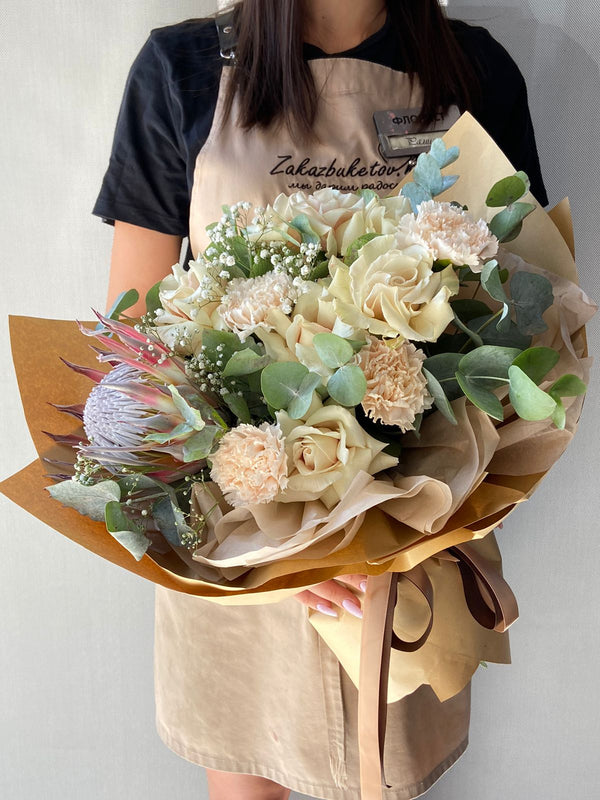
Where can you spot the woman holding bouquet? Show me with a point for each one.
(278, 98)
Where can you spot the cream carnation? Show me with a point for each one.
(247, 301)
(448, 232)
(396, 387)
(250, 465)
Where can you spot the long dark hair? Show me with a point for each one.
(273, 82)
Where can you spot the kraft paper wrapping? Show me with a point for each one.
(388, 524)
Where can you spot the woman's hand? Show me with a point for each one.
(323, 596)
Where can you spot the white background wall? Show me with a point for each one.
(76, 697)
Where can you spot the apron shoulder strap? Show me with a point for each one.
(226, 34)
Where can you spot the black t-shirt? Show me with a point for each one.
(170, 98)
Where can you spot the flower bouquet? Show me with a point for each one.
(340, 383)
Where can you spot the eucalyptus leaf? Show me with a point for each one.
(190, 414)
(504, 321)
(488, 365)
(427, 174)
(524, 177)
(320, 270)
(568, 386)
(439, 397)
(200, 444)
(506, 225)
(466, 274)
(444, 156)
(135, 483)
(178, 432)
(244, 362)
(528, 400)
(211, 339)
(280, 382)
(536, 362)
(443, 367)
(416, 194)
(123, 301)
(242, 253)
(480, 396)
(367, 195)
(125, 531)
(300, 404)
(302, 224)
(531, 296)
(333, 351)
(152, 299)
(506, 191)
(510, 337)
(170, 521)
(490, 280)
(87, 500)
(353, 249)
(347, 385)
(473, 336)
(238, 406)
(447, 182)
(559, 415)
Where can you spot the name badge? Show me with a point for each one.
(399, 136)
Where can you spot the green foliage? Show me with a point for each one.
(238, 406)
(347, 385)
(191, 415)
(531, 295)
(301, 223)
(439, 397)
(152, 299)
(212, 339)
(528, 400)
(480, 397)
(507, 224)
(170, 520)
(125, 531)
(428, 179)
(87, 500)
(352, 251)
(123, 301)
(507, 191)
(289, 385)
(244, 362)
(200, 444)
(536, 362)
(333, 350)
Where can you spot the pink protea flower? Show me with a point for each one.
(145, 414)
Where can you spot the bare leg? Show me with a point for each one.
(235, 786)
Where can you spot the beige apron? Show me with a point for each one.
(253, 689)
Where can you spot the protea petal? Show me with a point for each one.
(150, 396)
(95, 375)
(129, 335)
(74, 410)
(71, 439)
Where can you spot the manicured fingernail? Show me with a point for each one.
(326, 610)
(353, 608)
(363, 586)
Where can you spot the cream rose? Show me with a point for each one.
(326, 452)
(339, 218)
(188, 299)
(392, 292)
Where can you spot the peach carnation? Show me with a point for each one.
(396, 386)
(448, 232)
(250, 465)
(247, 301)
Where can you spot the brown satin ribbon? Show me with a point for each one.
(378, 638)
